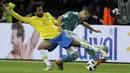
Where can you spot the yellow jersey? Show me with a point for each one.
(44, 25)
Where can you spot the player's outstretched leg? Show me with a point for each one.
(67, 58)
(105, 48)
(85, 44)
(72, 55)
(46, 60)
(103, 60)
(97, 50)
(45, 45)
(93, 55)
(90, 52)
(88, 46)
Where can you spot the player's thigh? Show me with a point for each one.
(53, 47)
(75, 36)
(75, 43)
(67, 41)
(45, 44)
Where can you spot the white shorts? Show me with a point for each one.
(75, 36)
(71, 50)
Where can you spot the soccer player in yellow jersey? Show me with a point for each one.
(45, 25)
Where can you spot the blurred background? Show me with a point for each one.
(59, 7)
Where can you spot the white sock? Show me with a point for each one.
(45, 57)
(88, 46)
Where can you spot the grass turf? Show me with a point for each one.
(16, 66)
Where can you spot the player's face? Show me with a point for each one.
(14, 39)
(85, 15)
(39, 12)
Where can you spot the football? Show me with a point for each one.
(91, 66)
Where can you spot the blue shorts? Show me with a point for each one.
(62, 39)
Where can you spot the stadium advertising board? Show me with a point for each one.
(115, 37)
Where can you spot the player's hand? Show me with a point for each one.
(60, 29)
(6, 7)
(97, 31)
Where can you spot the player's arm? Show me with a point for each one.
(10, 7)
(62, 17)
(65, 16)
(53, 19)
(60, 21)
(86, 25)
(19, 17)
(55, 22)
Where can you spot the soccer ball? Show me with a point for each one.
(91, 66)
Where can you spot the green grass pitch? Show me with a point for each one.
(17, 66)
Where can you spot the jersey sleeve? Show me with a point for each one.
(68, 14)
(52, 18)
(64, 16)
(19, 17)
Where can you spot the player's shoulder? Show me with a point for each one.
(47, 13)
(34, 17)
(72, 12)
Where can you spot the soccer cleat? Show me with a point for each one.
(60, 66)
(100, 61)
(50, 67)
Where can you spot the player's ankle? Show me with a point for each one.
(97, 62)
(103, 60)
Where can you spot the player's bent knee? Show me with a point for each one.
(40, 48)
